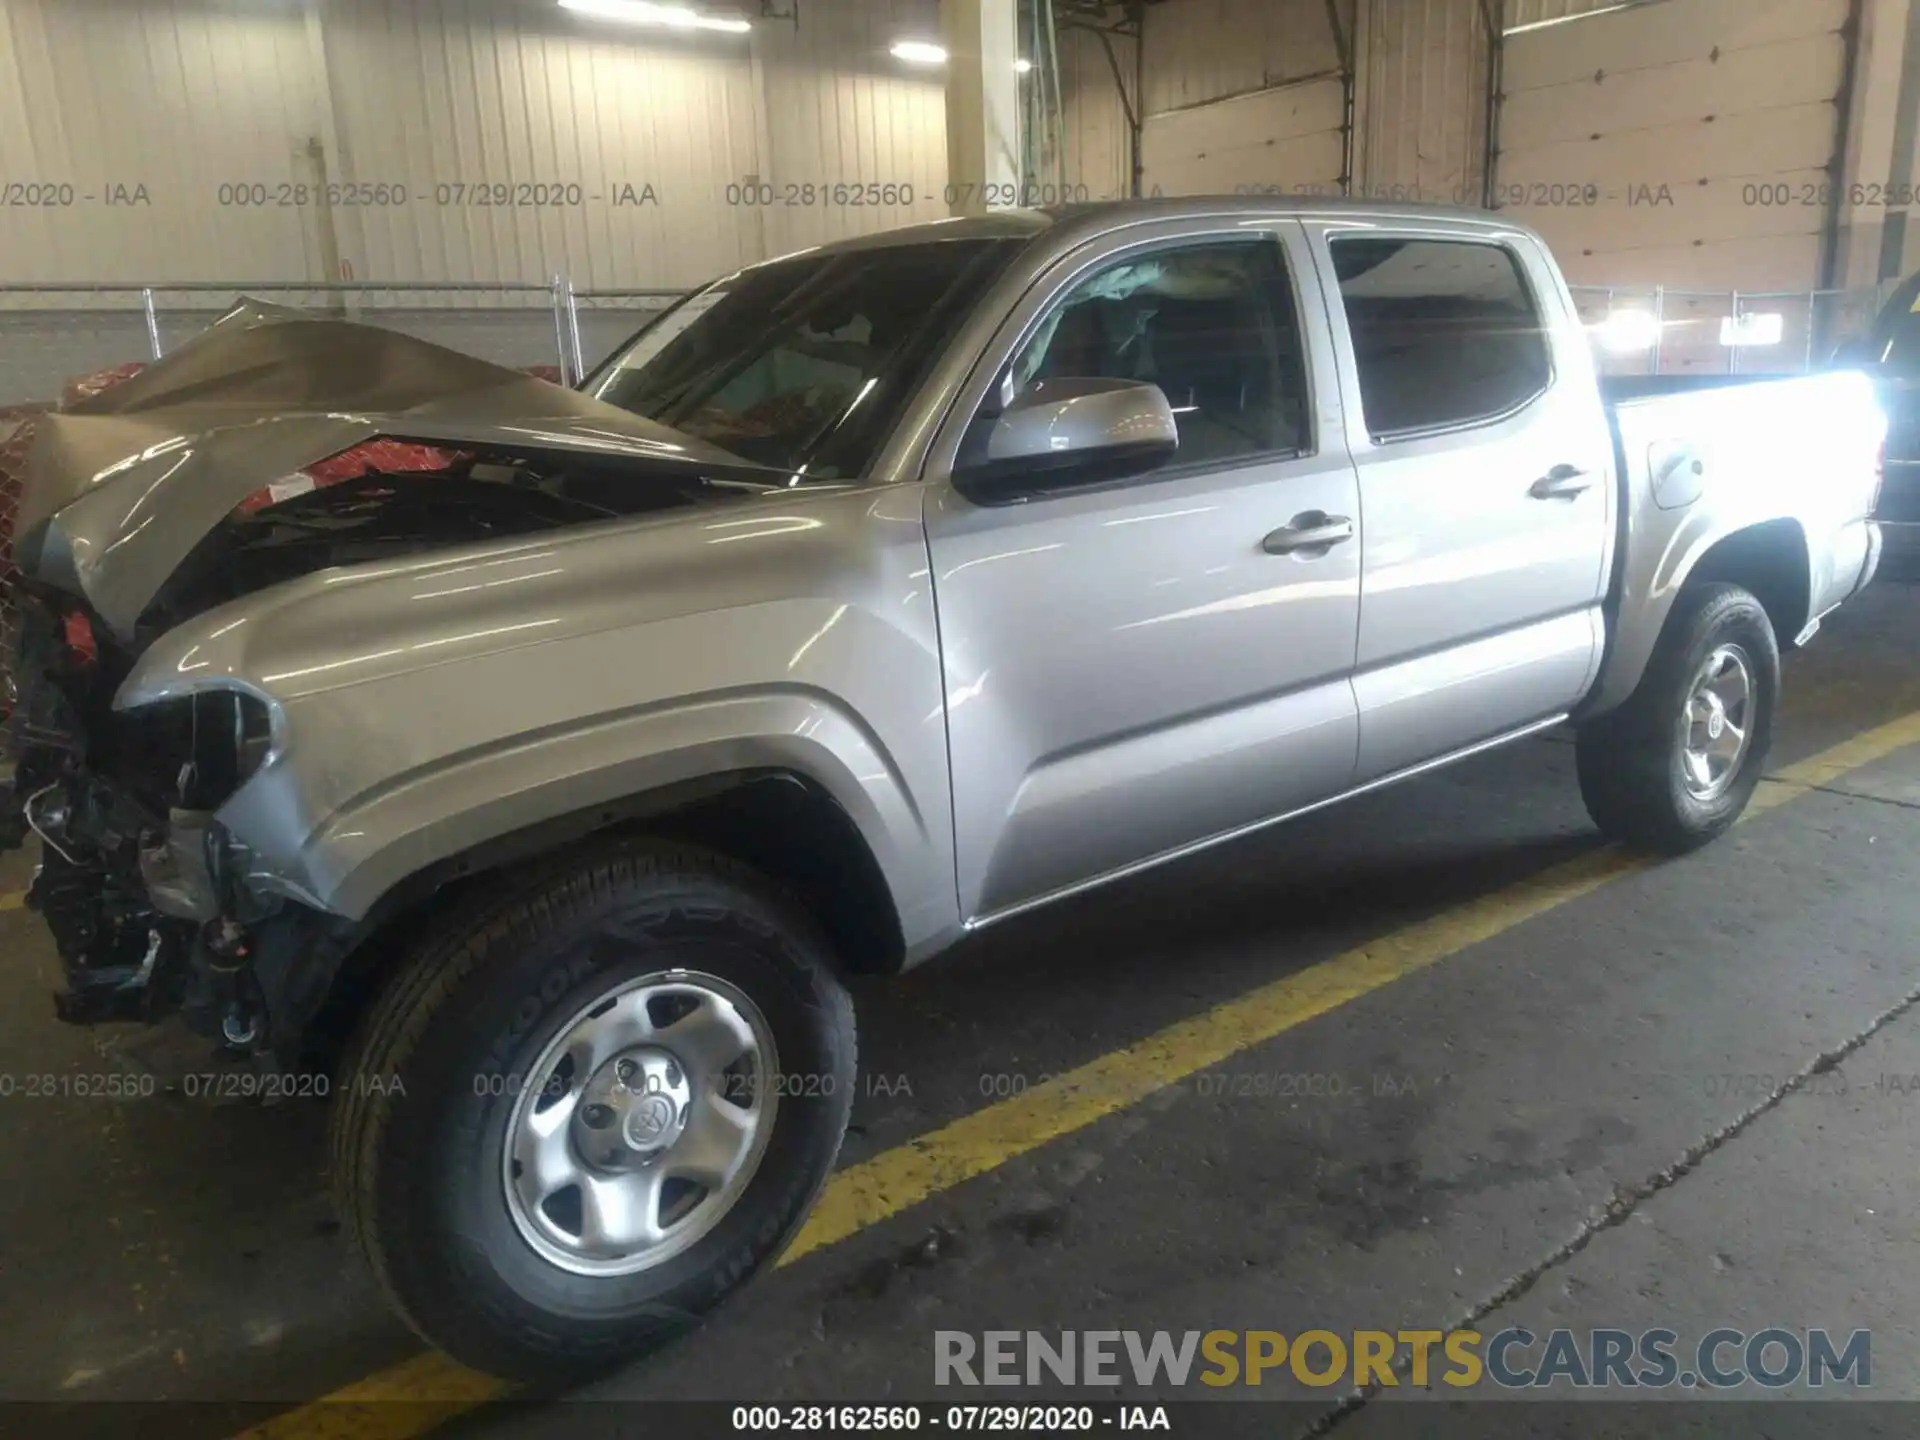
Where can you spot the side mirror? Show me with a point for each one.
(1073, 431)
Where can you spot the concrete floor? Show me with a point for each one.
(1577, 1125)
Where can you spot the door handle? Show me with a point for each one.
(1311, 530)
(1562, 482)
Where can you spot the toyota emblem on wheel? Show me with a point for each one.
(650, 1118)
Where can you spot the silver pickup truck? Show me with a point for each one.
(868, 598)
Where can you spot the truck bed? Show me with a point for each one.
(1699, 455)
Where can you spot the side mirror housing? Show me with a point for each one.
(1071, 431)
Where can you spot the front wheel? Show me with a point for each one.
(1673, 767)
(583, 1113)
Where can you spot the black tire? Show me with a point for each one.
(418, 1132)
(1630, 759)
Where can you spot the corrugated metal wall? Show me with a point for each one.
(623, 156)
(1422, 99)
(730, 149)
(453, 99)
(1098, 157)
(118, 123)
(840, 109)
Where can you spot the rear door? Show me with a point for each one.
(1130, 671)
(1486, 484)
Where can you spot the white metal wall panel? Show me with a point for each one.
(1683, 144)
(1099, 158)
(1423, 85)
(842, 115)
(473, 94)
(1284, 141)
(429, 96)
(1204, 50)
(1242, 95)
(178, 101)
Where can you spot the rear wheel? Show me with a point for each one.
(583, 1114)
(1674, 766)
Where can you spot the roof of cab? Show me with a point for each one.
(1085, 220)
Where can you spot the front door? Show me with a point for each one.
(1132, 667)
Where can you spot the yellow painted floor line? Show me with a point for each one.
(869, 1192)
(862, 1195)
(1829, 765)
(396, 1404)
(14, 901)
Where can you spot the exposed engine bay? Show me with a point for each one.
(141, 890)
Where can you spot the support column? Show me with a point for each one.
(1869, 241)
(983, 103)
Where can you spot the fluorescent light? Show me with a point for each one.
(1569, 19)
(919, 52)
(1021, 67)
(643, 12)
(1625, 331)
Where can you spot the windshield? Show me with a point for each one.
(803, 364)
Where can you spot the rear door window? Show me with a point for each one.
(1445, 332)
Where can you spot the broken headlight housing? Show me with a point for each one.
(193, 752)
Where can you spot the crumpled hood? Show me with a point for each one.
(121, 487)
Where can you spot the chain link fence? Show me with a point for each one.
(1651, 330)
(49, 334)
(604, 320)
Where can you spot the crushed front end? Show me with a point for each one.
(134, 882)
(271, 448)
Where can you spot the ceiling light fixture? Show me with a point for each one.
(642, 12)
(919, 52)
(1021, 67)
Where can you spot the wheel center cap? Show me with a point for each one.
(634, 1107)
(1714, 722)
(650, 1121)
